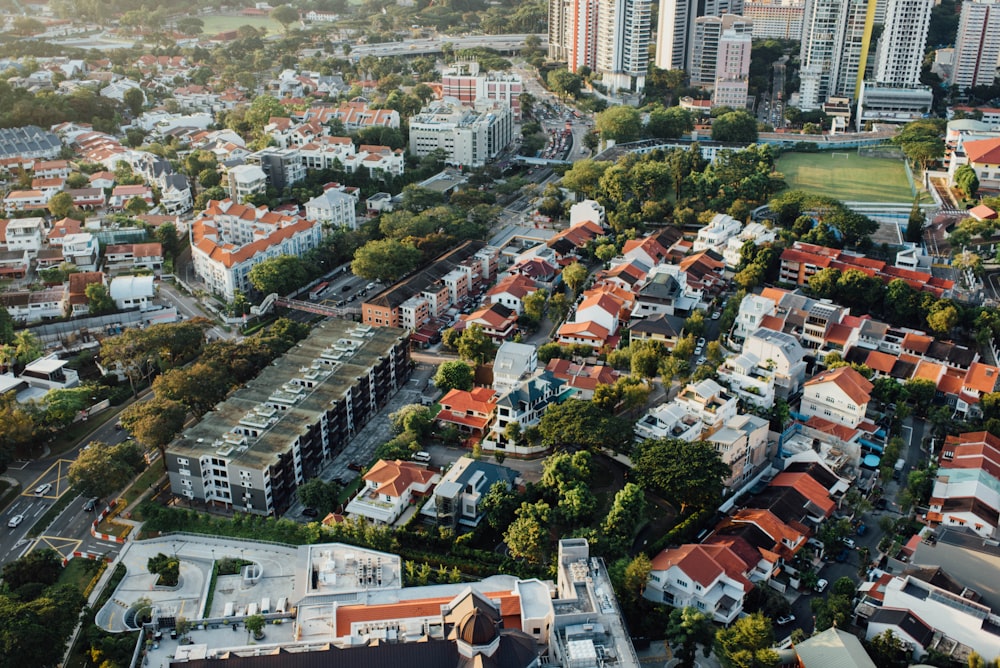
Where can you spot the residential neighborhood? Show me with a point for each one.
(504, 334)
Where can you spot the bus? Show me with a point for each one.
(317, 291)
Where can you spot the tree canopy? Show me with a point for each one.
(689, 474)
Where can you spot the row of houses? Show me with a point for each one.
(70, 298)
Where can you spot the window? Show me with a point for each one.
(697, 587)
(681, 583)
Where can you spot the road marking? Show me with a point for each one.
(61, 482)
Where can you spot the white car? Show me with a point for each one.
(821, 585)
(787, 619)
(716, 315)
(15, 521)
(701, 342)
(42, 490)
(849, 542)
(701, 360)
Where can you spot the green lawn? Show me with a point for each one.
(216, 24)
(846, 176)
(79, 572)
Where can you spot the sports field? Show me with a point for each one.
(218, 23)
(846, 176)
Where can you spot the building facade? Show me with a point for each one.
(254, 449)
(469, 137)
(977, 45)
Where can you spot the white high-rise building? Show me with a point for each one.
(836, 36)
(623, 31)
(676, 22)
(977, 46)
(901, 47)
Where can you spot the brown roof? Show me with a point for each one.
(397, 476)
(852, 383)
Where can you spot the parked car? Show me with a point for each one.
(821, 585)
(786, 619)
(701, 341)
(15, 521)
(849, 542)
(716, 315)
(354, 466)
(91, 504)
(310, 512)
(42, 490)
(862, 529)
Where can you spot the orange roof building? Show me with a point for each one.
(712, 577)
(389, 488)
(840, 395)
(229, 239)
(472, 412)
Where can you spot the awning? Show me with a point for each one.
(870, 445)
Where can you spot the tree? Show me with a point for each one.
(281, 275)
(199, 387)
(915, 223)
(475, 346)
(27, 347)
(967, 180)
(454, 375)
(414, 419)
(688, 628)
(499, 504)
(626, 514)
(286, 15)
(668, 123)
(534, 304)
(574, 276)
(690, 474)
(61, 205)
(101, 469)
(621, 124)
(695, 324)
(99, 299)
(136, 206)
(564, 83)
(166, 234)
(154, 423)
(319, 494)
(582, 424)
(750, 276)
(134, 99)
(747, 643)
(255, 623)
(6, 326)
(558, 307)
(735, 126)
(527, 537)
(385, 260)
(942, 318)
(38, 566)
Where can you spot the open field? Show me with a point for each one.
(846, 176)
(216, 24)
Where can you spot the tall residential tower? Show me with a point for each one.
(977, 47)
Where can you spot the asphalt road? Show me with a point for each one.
(70, 531)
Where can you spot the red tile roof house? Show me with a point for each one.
(980, 379)
(584, 378)
(498, 322)
(511, 291)
(713, 578)
(471, 412)
(389, 489)
(967, 490)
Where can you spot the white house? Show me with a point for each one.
(514, 362)
(750, 378)
(334, 208)
(587, 210)
(25, 234)
(26, 200)
(783, 355)
(524, 405)
(132, 291)
(511, 292)
(742, 445)
(714, 236)
(755, 232)
(389, 488)
(668, 420)
(709, 402)
(246, 180)
(711, 578)
(753, 309)
(457, 498)
(81, 249)
(840, 395)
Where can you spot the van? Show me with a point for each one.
(228, 612)
(423, 457)
(265, 606)
(282, 605)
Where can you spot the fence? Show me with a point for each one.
(882, 151)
